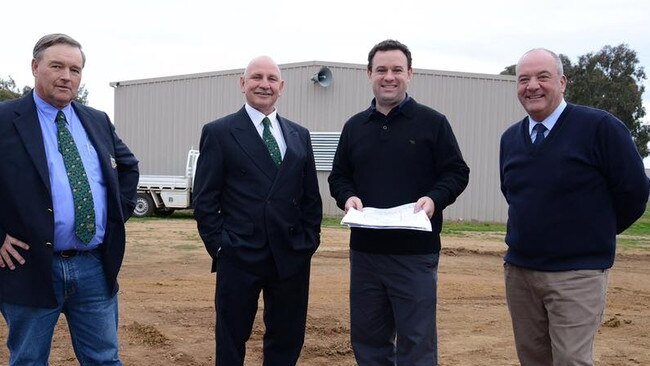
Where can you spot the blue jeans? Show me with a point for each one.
(393, 309)
(83, 296)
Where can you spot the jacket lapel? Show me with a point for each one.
(106, 160)
(251, 143)
(292, 141)
(29, 129)
(90, 126)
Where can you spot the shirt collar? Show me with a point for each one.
(257, 116)
(549, 121)
(373, 104)
(403, 107)
(49, 111)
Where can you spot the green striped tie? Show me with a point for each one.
(271, 142)
(84, 209)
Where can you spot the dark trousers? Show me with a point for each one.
(285, 313)
(393, 309)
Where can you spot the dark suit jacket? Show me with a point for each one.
(244, 204)
(26, 201)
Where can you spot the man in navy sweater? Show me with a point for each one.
(395, 152)
(573, 179)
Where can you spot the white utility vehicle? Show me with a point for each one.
(160, 195)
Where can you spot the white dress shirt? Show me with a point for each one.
(257, 117)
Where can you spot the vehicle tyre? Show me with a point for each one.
(143, 205)
(164, 212)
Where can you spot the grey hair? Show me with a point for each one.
(50, 40)
(558, 61)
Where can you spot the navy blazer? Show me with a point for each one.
(26, 202)
(244, 202)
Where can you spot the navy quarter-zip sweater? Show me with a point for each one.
(571, 195)
(392, 160)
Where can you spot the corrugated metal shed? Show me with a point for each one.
(161, 119)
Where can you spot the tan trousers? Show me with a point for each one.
(555, 315)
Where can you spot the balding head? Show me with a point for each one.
(262, 84)
(265, 61)
(537, 51)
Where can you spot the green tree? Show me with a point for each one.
(82, 95)
(8, 89)
(509, 70)
(610, 79)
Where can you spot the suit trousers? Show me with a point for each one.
(555, 315)
(393, 309)
(285, 311)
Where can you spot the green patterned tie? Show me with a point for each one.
(84, 209)
(270, 142)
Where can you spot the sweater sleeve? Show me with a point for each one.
(340, 179)
(623, 169)
(452, 171)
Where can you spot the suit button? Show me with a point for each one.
(48, 244)
(385, 127)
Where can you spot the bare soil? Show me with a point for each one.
(167, 304)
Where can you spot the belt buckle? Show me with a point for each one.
(67, 253)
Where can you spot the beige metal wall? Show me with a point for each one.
(161, 118)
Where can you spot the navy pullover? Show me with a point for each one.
(571, 195)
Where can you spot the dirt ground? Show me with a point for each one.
(167, 314)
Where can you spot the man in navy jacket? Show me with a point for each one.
(46, 268)
(573, 179)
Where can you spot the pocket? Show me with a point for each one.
(588, 273)
(301, 239)
(241, 234)
(241, 228)
(96, 255)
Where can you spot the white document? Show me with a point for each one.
(400, 217)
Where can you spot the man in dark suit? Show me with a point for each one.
(61, 222)
(258, 211)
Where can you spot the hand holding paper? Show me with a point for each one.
(400, 217)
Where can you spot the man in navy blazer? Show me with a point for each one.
(259, 219)
(45, 268)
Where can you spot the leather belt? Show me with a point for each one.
(71, 253)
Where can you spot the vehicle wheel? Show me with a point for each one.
(164, 212)
(143, 205)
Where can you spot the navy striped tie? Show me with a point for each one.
(539, 134)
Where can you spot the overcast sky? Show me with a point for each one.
(137, 39)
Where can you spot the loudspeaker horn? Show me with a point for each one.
(323, 77)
